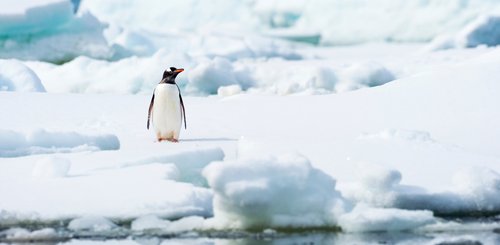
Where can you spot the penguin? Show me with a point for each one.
(166, 109)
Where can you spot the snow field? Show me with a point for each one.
(40, 141)
(51, 167)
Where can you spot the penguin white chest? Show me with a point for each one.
(167, 119)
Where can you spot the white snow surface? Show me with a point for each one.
(15, 76)
(376, 137)
(40, 141)
(51, 167)
(24, 235)
(367, 219)
(274, 191)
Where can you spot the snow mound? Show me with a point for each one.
(207, 77)
(475, 190)
(274, 191)
(484, 30)
(23, 235)
(14, 144)
(151, 222)
(368, 219)
(91, 223)
(230, 90)
(49, 30)
(15, 76)
(51, 167)
(366, 74)
(480, 187)
(283, 78)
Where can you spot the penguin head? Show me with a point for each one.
(170, 75)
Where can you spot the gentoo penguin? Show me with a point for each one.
(167, 108)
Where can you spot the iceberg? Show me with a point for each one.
(49, 30)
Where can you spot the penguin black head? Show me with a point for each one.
(169, 76)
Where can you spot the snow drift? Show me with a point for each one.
(13, 144)
(15, 76)
(283, 191)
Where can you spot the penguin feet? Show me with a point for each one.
(168, 139)
(173, 140)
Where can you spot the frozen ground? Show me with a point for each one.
(283, 137)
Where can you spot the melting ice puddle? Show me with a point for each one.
(469, 233)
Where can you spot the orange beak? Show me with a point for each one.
(179, 70)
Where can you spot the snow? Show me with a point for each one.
(92, 223)
(49, 30)
(24, 235)
(374, 137)
(51, 167)
(367, 74)
(275, 191)
(483, 31)
(336, 23)
(40, 141)
(15, 76)
(367, 219)
(149, 222)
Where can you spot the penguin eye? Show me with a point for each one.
(173, 68)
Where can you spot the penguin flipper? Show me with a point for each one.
(150, 109)
(183, 112)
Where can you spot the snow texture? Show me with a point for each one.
(91, 223)
(368, 219)
(275, 191)
(483, 31)
(149, 222)
(15, 76)
(49, 30)
(14, 144)
(51, 167)
(24, 235)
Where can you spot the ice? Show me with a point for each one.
(91, 223)
(367, 74)
(15, 76)
(25, 16)
(475, 189)
(485, 30)
(274, 191)
(189, 223)
(24, 235)
(368, 219)
(51, 167)
(41, 141)
(49, 30)
(482, 31)
(149, 222)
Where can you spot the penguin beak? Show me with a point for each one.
(179, 70)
